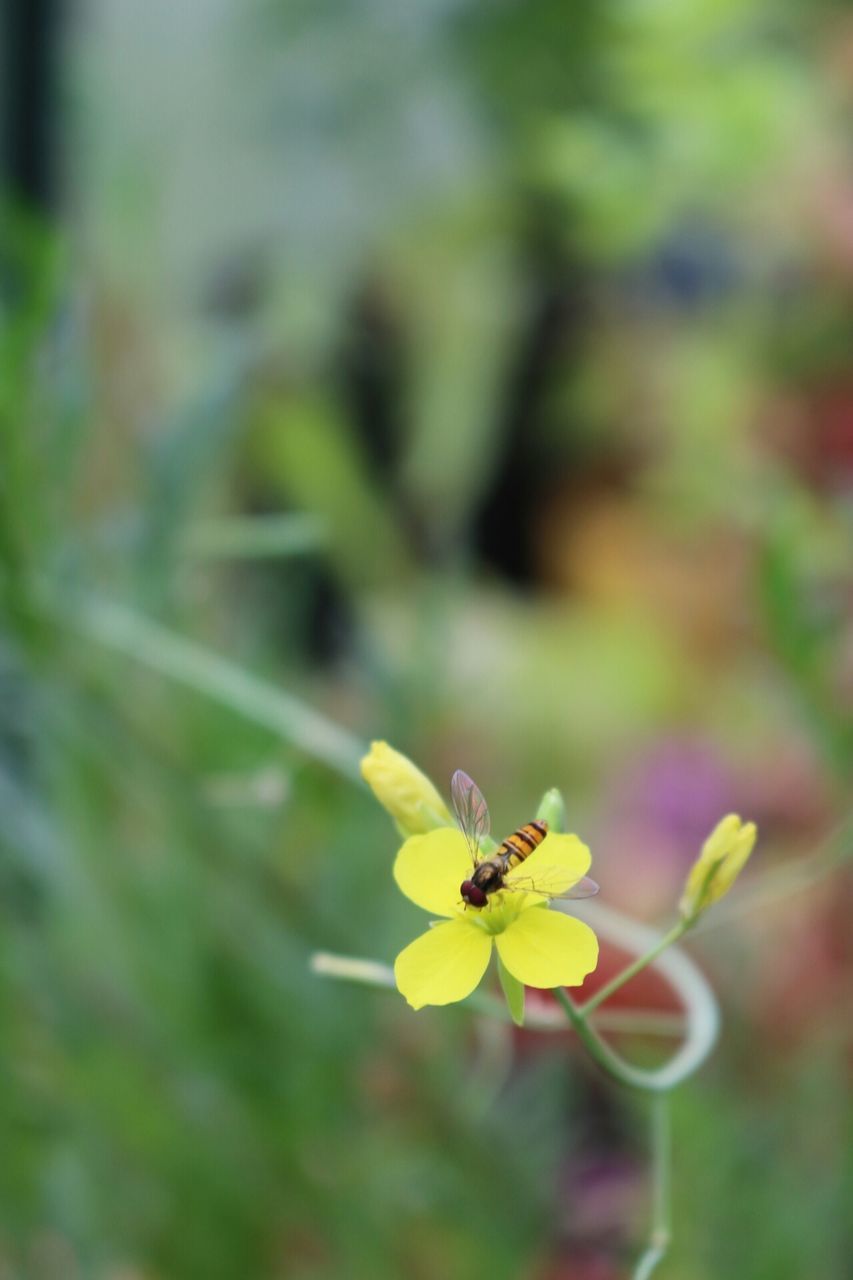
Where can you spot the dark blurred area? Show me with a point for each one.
(477, 377)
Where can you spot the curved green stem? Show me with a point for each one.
(608, 1059)
(661, 1190)
(640, 963)
(700, 1007)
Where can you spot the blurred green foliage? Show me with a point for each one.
(444, 281)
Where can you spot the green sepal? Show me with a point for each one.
(514, 992)
(552, 809)
(691, 907)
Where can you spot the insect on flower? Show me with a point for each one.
(504, 869)
(502, 905)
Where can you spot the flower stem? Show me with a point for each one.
(661, 1190)
(631, 1022)
(113, 626)
(608, 1059)
(634, 968)
(256, 537)
(658, 1080)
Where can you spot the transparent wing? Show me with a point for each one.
(586, 887)
(472, 812)
(551, 882)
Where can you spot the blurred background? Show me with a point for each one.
(475, 376)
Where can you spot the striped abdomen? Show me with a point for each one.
(521, 843)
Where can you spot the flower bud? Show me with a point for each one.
(552, 809)
(404, 791)
(721, 861)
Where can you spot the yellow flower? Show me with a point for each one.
(721, 861)
(403, 790)
(538, 947)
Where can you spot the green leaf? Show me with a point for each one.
(514, 992)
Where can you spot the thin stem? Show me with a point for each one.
(659, 1238)
(702, 1023)
(639, 1022)
(608, 1059)
(256, 537)
(701, 1013)
(116, 627)
(634, 968)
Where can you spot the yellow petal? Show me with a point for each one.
(444, 964)
(430, 869)
(545, 948)
(559, 862)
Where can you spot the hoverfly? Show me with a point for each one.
(500, 870)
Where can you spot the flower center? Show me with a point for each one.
(503, 908)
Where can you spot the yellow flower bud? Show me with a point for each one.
(404, 791)
(721, 861)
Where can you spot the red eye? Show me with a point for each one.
(472, 894)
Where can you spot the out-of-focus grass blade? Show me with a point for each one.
(119, 628)
(256, 537)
